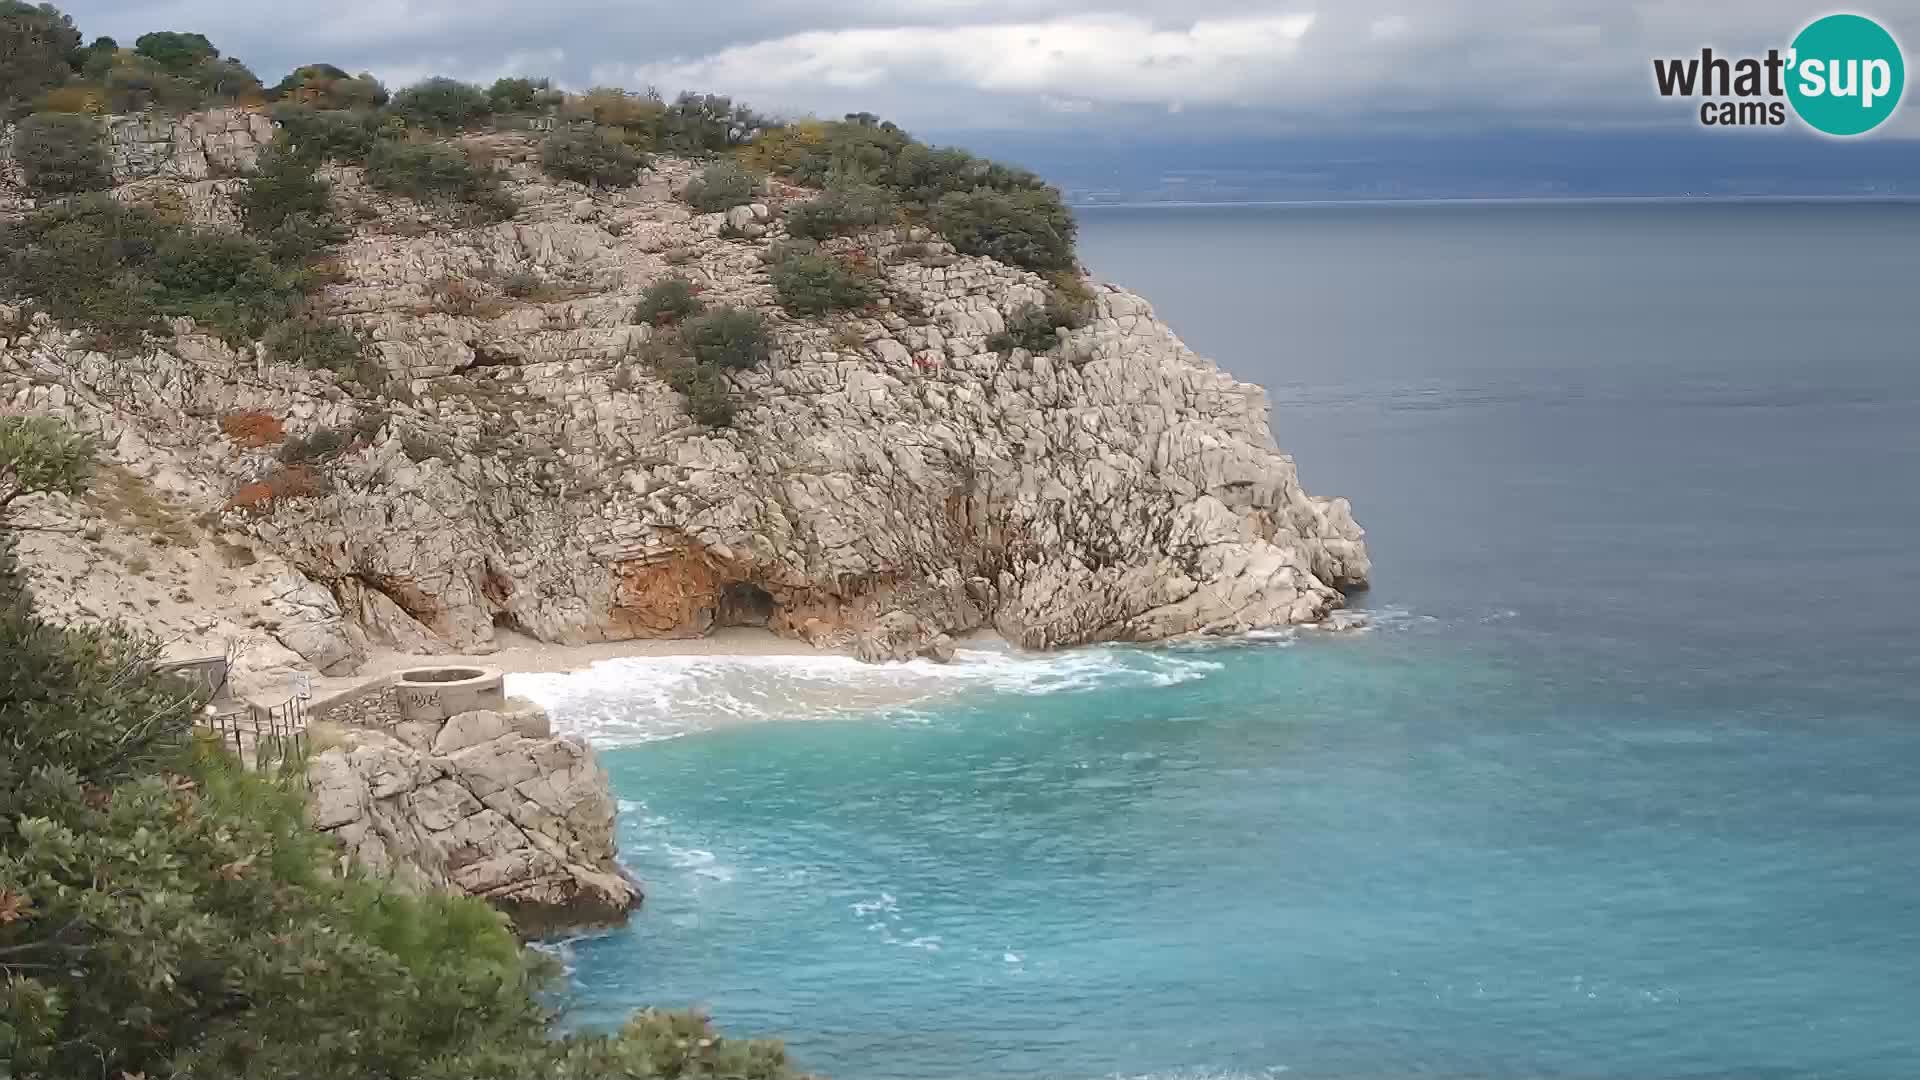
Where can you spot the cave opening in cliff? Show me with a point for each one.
(745, 604)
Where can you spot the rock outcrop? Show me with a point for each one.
(890, 480)
(490, 804)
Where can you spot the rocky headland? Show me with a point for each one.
(508, 456)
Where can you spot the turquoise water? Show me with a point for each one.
(1621, 783)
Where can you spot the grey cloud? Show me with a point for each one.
(1270, 64)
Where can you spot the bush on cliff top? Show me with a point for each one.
(1023, 228)
(442, 105)
(166, 913)
(983, 207)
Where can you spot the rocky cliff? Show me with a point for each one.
(487, 803)
(890, 479)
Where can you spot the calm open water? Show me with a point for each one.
(1624, 783)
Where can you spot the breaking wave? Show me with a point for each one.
(643, 699)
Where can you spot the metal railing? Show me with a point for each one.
(262, 736)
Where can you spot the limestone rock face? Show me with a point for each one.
(490, 804)
(196, 146)
(890, 480)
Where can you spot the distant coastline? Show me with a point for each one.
(1501, 200)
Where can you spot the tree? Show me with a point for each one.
(41, 456)
(441, 104)
(37, 47)
(510, 95)
(324, 86)
(174, 51)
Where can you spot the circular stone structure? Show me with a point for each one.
(437, 693)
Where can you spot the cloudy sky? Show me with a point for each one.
(1269, 66)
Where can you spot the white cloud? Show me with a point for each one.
(1114, 59)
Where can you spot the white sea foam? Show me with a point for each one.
(643, 699)
(1202, 1073)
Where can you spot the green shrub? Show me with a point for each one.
(816, 284)
(1030, 328)
(709, 395)
(175, 51)
(312, 342)
(984, 207)
(83, 261)
(62, 153)
(327, 134)
(591, 158)
(41, 455)
(696, 125)
(95, 263)
(729, 337)
(175, 72)
(146, 874)
(841, 211)
(511, 95)
(289, 209)
(1036, 327)
(434, 172)
(1070, 301)
(668, 300)
(226, 283)
(1030, 228)
(722, 185)
(37, 47)
(441, 104)
(324, 86)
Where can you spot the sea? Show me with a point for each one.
(1621, 781)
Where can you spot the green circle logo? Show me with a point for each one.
(1845, 74)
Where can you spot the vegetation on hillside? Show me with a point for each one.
(166, 913)
(592, 158)
(439, 174)
(62, 153)
(722, 185)
(816, 283)
(119, 270)
(113, 268)
(983, 207)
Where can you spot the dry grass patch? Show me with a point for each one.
(127, 500)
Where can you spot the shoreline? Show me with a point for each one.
(522, 655)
